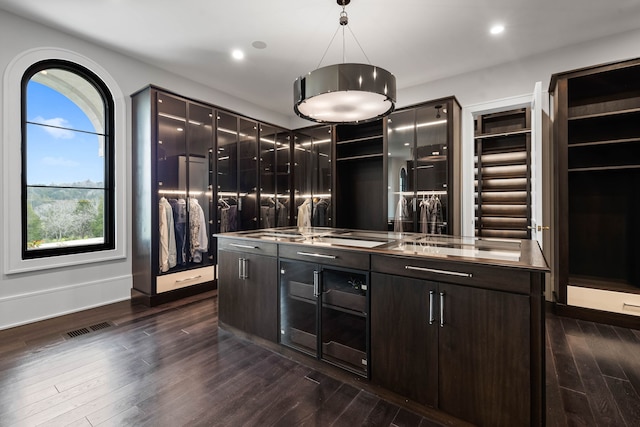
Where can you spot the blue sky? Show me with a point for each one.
(59, 156)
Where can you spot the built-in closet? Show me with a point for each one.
(419, 167)
(173, 170)
(198, 170)
(312, 177)
(502, 155)
(596, 134)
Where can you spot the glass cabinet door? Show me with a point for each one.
(298, 305)
(344, 319)
(401, 133)
(227, 172)
(172, 182)
(321, 178)
(200, 171)
(302, 177)
(247, 175)
(274, 177)
(432, 168)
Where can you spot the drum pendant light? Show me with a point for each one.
(346, 92)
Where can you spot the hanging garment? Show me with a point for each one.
(401, 215)
(320, 213)
(282, 217)
(197, 231)
(304, 214)
(435, 215)
(424, 216)
(170, 228)
(179, 208)
(164, 239)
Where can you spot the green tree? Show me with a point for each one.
(84, 215)
(34, 226)
(97, 226)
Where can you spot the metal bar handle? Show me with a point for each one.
(316, 283)
(433, 270)
(189, 278)
(626, 304)
(242, 268)
(432, 318)
(442, 309)
(317, 255)
(238, 245)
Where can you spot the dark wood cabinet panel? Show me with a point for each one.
(484, 359)
(404, 346)
(248, 293)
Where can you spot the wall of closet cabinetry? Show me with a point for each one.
(198, 170)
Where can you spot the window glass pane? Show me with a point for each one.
(65, 163)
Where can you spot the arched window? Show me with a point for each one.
(67, 161)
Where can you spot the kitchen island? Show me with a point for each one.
(452, 323)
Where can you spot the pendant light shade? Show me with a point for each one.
(344, 93)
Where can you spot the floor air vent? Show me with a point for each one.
(78, 332)
(100, 326)
(88, 330)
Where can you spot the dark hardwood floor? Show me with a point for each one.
(171, 366)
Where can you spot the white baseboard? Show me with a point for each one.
(17, 310)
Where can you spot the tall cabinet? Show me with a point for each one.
(173, 171)
(503, 174)
(312, 176)
(596, 135)
(420, 167)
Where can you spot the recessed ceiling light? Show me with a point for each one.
(497, 29)
(237, 54)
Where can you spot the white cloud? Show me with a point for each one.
(55, 132)
(59, 161)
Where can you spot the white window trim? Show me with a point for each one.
(12, 169)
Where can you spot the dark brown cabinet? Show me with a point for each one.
(248, 290)
(462, 349)
(172, 204)
(596, 138)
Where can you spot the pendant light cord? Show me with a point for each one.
(343, 15)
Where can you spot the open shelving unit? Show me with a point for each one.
(503, 174)
(597, 138)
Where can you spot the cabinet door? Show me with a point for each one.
(299, 290)
(230, 289)
(343, 321)
(484, 361)
(404, 350)
(247, 293)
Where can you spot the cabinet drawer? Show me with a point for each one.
(248, 246)
(498, 278)
(182, 279)
(599, 299)
(326, 256)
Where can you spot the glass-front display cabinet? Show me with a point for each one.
(275, 175)
(173, 178)
(324, 313)
(420, 143)
(312, 177)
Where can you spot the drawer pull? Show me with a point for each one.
(626, 304)
(189, 278)
(433, 270)
(237, 245)
(317, 255)
(442, 309)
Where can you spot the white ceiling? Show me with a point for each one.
(417, 40)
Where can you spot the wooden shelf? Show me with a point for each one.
(364, 156)
(605, 108)
(366, 138)
(502, 134)
(603, 142)
(604, 168)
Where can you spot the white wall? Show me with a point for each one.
(30, 296)
(27, 297)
